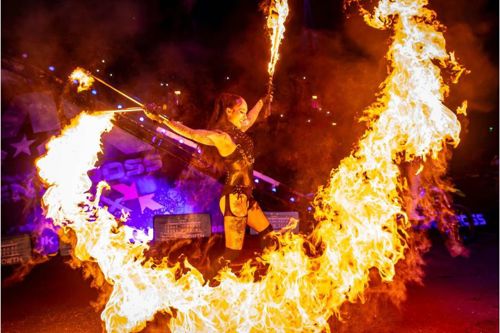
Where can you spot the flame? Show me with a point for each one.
(362, 227)
(462, 109)
(278, 12)
(85, 81)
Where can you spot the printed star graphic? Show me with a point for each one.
(129, 191)
(146, 201)
(22, 146)
(115, 205)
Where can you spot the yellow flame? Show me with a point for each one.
(278, 12)
(462, 109)
(85, 81)
(361, 224)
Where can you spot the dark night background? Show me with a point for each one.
(206, 47)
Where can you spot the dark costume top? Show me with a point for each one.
(239, 164)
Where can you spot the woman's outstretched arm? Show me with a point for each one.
(253, 114)
(204, 137)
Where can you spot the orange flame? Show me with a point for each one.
(362, 226)
(85, 81)
(278, 12)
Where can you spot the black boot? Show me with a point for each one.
(227, 257)
(230, 254)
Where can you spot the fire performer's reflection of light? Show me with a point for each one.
(229, 142)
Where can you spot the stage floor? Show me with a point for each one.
(460, 295)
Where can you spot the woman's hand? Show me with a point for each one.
(266, 103)
(267, 99)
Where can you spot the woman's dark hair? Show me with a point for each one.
(219, 121)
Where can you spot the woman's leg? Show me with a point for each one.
(235, 219)
(259, 222)
(256, 218)
(234, 207)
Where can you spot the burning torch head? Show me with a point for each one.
(83, 78)
(273, 14)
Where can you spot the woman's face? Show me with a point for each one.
(237, 115)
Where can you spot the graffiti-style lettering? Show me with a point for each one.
(112, 171)
(134, 167)
(131, 167)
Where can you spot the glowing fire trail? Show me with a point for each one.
(86, 79)
(278, 12)
(125, 110)
(362, 225)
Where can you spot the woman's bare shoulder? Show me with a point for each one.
(220, 135)
(223, 142)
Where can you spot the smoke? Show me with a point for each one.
(71, 31)
(480, 86)
(345, 67)
(177, 43)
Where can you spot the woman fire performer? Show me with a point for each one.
(226, 136)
